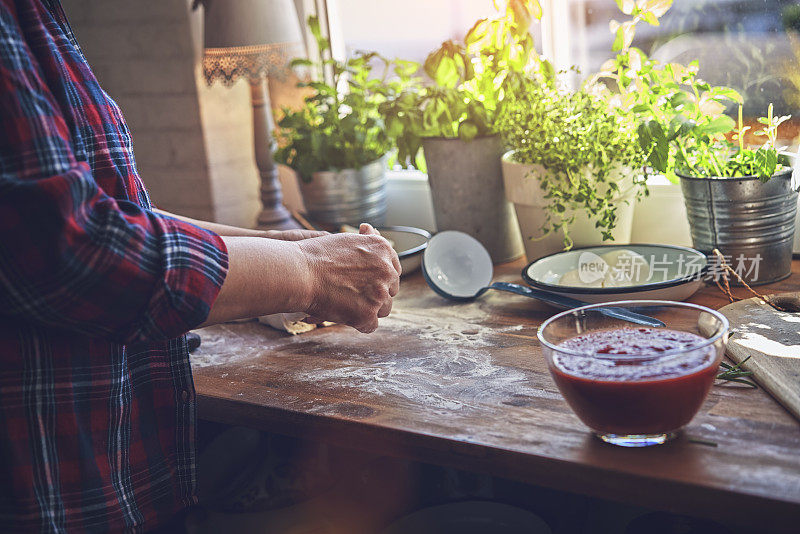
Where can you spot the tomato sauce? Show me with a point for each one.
(626, 388)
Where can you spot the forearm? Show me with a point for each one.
(219, 229)
(265, 276)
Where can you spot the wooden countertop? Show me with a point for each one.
(465, 385)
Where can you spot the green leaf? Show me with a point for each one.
(653, 138)
(313, 25)
(446, 65)
(718, 125)
(727, 92)
(651, 131)
(658, 7)
(679, 126)
(322, 88)
(467, 131)
(619, 40)
(547, 69)
(681, 100)
(300, 62)
(406, 68)
(478, 32)
(623, 34)
(767, 162)
(650, 18)
(322, 43)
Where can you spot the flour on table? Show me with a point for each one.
(216, 348)
(452, 370)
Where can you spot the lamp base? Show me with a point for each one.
(273, 216)
(277, 218)
(273, 222)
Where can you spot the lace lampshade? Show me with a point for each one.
(254, 39)
(249, 38)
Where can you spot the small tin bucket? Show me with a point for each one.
(348, 196)
(751, 223)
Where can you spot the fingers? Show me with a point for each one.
(358, 277)
(367, 229)
(396, 263)
(368, 327)
(386, 309)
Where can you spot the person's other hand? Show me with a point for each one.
(293, 235)
(353, 277)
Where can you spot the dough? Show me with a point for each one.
(289, 322)
(573, 279)
(625, 268)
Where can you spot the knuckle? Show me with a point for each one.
(376, 293)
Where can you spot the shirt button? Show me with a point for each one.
(185, 396)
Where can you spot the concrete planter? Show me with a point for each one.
(745, 218)
(523, 189)
(467, 191)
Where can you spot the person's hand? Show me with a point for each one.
(353, 277)
(293, 235)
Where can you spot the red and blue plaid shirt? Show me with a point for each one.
(97, 413)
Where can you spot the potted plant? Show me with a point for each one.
(575, 167)
(337, 142)
(452, 117)
(739, 199)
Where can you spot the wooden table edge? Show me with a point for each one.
(727, 506)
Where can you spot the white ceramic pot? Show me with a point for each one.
(522, 187)
(660, 218)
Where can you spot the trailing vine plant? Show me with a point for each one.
(587, 148)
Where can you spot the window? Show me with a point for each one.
(409, 29)
(750, 45)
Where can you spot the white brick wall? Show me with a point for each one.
(142, 53)
(193, 143)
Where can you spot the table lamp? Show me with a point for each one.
(254, 39)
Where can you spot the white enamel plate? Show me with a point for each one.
(620, 272)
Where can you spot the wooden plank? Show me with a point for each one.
(771, 341)
(466, 385)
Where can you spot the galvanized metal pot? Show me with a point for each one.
(467, 191)
(348, 196)
(745, 219)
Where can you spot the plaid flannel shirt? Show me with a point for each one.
(97, 408)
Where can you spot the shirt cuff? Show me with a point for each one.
(195, 263)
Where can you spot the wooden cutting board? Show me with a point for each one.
(772, 340)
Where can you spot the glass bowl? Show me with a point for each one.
(635, 386)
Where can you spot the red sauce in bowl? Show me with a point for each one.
(624, 387)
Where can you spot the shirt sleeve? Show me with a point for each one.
(73, 257)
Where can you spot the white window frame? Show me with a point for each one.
(556, 32)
